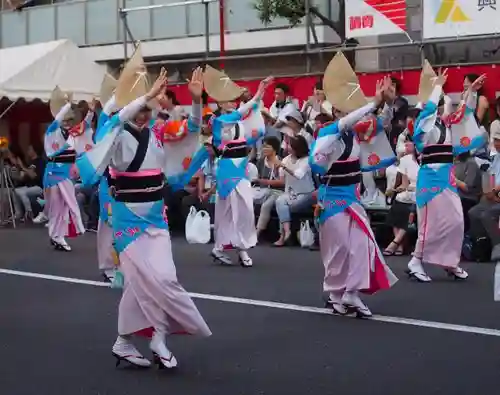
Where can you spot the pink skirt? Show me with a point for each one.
(352, 259)
(440, 230)
(105, 250)
(152, 296)
(63, 211)
(234, 222)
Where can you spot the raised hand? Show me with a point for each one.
(158, 85)
(441, 77)
(195, 85)
(478, 83)
(379, 92)
(264, 84)
(390, 90)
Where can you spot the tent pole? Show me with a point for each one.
(7, 109)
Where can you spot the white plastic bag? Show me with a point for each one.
(198, 227)
(306, 235)
(189, 221)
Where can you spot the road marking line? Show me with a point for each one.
(277, 305)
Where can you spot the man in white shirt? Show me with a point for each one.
(484, 217)
(283, 105)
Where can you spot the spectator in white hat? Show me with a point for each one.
(293, 127)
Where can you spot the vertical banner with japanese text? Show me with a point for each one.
(454, 18)
(374, 17)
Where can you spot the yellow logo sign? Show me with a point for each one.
(450, 11)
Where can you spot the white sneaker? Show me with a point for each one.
(416, 271)
(221, 257)
(40, 218)
(458, 273)
(354, 304)
(124, 350)
(163, 357)
(245, 259)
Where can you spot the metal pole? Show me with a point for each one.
(207, 30)
(332, 49)
(222, 32)
(123, 16)
(308, 35)
(157, 6)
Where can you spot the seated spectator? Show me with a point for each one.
(495, 127)
(299, 187)
(293, 127)
(270, 182)
(271, 131)
(316, 105)
(32, 186)
(88, 201)
(404, 200)
(282, 106)
(468, 179)
(484, 216)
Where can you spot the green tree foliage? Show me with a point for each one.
(295, 10)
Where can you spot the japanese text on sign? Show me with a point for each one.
(361, 22)
(482, 4)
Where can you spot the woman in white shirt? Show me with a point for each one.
(399, 214)
(495, 127)
(299, 187)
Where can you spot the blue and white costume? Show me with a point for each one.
(152, 296)
(351, 257)
(233, 136)
(440, 219)
(61, 205)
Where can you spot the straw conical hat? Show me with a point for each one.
(219, 86)
(427, 78)
(108, 87)
(341, 85)
(133, 81)
(58, 100)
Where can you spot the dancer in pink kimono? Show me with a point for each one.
(353, 262)
(153, 302)
(234, 220)
(61, 205)
(439, 210)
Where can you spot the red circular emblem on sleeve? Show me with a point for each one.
(465, 141)
(55, 146)
(373, 159)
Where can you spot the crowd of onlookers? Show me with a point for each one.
(284, 198)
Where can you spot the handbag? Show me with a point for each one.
(306, 235)
(198, 227)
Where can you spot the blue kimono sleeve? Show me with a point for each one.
(93, 163)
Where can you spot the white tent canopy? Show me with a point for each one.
(33, 71)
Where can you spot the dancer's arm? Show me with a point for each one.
(196, 90)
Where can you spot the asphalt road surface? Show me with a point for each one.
(271, 334)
